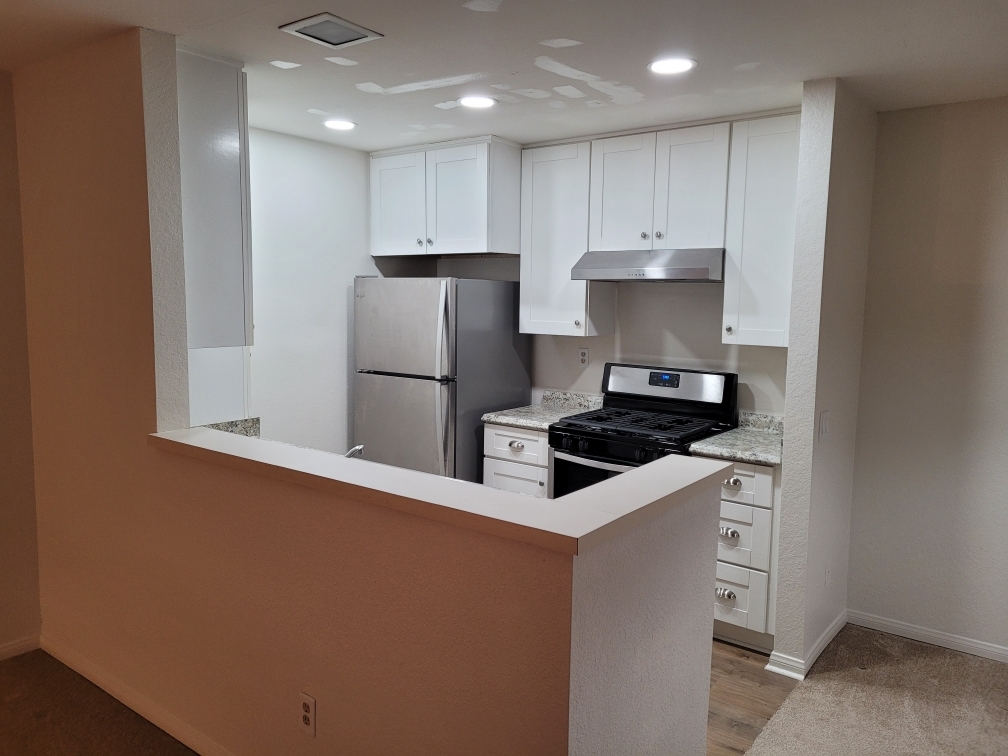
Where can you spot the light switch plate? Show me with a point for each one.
(823, 424)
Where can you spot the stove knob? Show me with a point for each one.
(567, 442)
(583, 445)
(640, 454)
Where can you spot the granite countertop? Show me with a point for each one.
(758, 441)
(538, 417)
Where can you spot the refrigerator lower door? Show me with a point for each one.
(405, 326)
(406, 422)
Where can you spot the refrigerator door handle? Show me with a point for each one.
(439, 427)
(439, 348)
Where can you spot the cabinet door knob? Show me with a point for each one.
(643, 234)
(430, 241)
(577, 323)
(658, 234)
(733, 482)
(419, 242)
(729, 532)
(724, 593)
(729, 329)
(517, 445)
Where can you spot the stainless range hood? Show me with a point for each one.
(699, 264)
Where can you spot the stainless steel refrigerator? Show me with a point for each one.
(432, 356)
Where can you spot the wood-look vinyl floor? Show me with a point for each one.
(743, 697)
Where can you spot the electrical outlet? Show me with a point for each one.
(829, 572)
(823, 424)
(308, 714)
(583, 356)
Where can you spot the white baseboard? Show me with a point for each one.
(926, 635)
(797, 668)
(18, 647)
(142, 705)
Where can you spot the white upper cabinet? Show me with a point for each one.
(398, 204)
(457, 179)
(690, 187)
(622, 193)
(760, 231)
(554, 235)
(447, 199)
(216, 238)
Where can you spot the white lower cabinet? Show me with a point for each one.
(514, 476)
(741, 597)
(516, 459)
(746, 584)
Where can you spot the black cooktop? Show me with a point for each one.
(642, 424)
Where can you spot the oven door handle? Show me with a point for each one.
(609, 466)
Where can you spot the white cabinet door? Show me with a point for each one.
(622, 192)
(457, 180)
(554, 235)
(760, 231)
(398, 205)
(691, 184)
(213, 154)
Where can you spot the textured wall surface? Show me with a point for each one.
(309, 240)
(673, 324)
(930, 513)
(19, 587)
(818, 102)
(208, 598)
(641, 636)
(164, 199)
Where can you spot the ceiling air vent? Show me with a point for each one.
(331, 31)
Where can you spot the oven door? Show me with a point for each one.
(569, 473)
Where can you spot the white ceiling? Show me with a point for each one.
(752, 56)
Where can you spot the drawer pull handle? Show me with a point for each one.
(516, 445)
(724, 593)
(729, 532)
(733, 482)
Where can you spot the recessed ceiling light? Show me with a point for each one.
(476, 102)
(284, 64)
(340, 125)
(672, 65)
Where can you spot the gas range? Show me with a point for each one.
(647, 413)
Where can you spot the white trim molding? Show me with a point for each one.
(146, 708)
(797, 668)
(17, 647)
(927, 635)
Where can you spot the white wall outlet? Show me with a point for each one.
(583, 356)
(823, 424)
(308, 714)
(829, 572)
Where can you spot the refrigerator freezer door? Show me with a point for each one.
(405, 326)
(406, 422)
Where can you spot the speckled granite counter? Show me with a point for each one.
(538, 417)
(758, 441)
(248, 427)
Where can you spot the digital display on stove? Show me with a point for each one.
(668, 380)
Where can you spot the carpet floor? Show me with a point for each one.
(875, 693)
(47, 709)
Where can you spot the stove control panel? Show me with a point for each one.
(668, 380)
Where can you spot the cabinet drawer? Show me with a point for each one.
(745, 603)
(516, 445)
(515, 477)
(754, 486)
(751, 548)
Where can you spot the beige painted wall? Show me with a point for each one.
(930, 511)
(673, 324)
(19, 591)
(206, 598)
